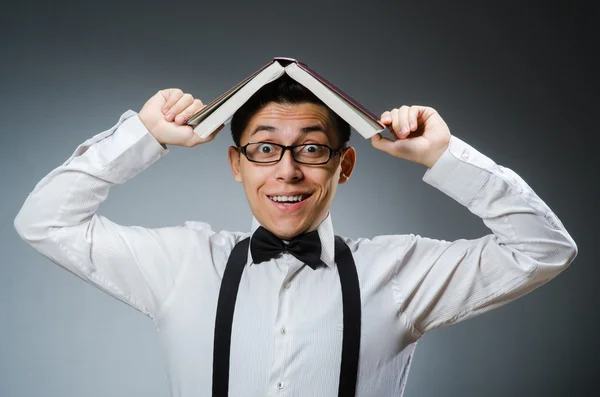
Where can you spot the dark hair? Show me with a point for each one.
(284, 90)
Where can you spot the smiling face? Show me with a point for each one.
(267, 186)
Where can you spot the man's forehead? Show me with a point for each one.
(309, 112)
(302, 118)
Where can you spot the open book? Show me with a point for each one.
(221, 110)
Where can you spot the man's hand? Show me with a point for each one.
(164, 116)
(420, 134)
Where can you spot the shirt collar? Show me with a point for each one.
(326, 235)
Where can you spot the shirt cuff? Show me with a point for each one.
(460, 172)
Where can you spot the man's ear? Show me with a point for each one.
(234, 161)
(347, 164)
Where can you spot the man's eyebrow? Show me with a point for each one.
(270, 128)
(312, 128)
(263, 128)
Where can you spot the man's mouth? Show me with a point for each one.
(291, 199)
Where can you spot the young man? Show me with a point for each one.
(315, 315)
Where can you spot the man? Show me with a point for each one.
(345, 317)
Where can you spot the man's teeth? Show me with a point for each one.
(287, 198)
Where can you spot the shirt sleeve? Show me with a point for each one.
(440, 282)
(136, 265)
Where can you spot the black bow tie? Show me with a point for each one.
(264, 246)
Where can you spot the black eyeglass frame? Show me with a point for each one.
(332, 152)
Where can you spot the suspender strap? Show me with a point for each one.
(352, 318)
(351, 310)
(224, 319)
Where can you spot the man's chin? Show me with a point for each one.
(287, 231)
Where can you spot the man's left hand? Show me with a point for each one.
(419, 134)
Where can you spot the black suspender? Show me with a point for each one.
(226, 306)
(352, 318)
(224, 319)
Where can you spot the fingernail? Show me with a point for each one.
(165, 109)
(179, 119)
(170, 116)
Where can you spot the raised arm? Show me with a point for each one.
(441, 282)
(59, 217)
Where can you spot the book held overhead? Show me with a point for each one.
(220, 111)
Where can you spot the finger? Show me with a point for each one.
(413, 117)
(189, 111)
(386, 117)
(395, 123)
(403, 125)
(183, 102)
(171, 96)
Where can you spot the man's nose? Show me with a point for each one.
(287, 168)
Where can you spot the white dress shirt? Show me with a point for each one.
(287, 326)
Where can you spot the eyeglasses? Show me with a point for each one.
(306, 153)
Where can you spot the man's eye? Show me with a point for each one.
(312, 149)
(265, 148)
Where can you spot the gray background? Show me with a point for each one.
(518, 83)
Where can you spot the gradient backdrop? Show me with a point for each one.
(518, 83)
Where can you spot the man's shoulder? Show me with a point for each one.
(219, 237)
(379, 241)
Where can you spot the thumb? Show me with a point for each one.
(382, 143)
(407, 149)
(196, 140)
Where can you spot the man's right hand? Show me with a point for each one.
(164, 116)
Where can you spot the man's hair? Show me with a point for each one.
(286, 91)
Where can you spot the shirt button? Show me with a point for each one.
(280, 385)
(283, 331)
(465, 155)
